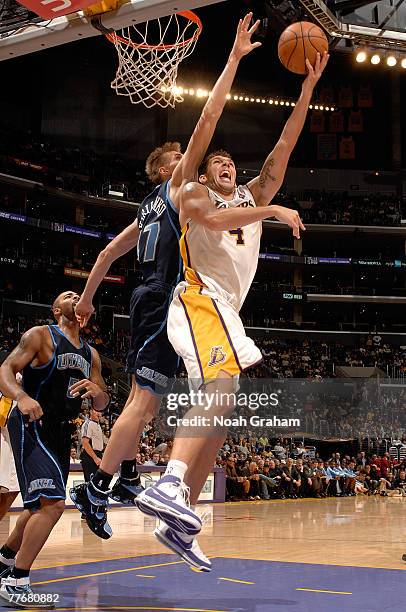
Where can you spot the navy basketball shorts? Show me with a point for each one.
(42, 458)
(151, 358)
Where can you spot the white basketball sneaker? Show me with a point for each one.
(168, 500)
(187, 547)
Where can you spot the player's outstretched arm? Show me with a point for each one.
(94, 387)
(267, 184)
(28, 348)
(197, 205)
(188, 167)
(121, 244)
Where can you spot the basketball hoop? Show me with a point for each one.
(149, 55)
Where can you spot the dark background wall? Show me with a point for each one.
(64, 93)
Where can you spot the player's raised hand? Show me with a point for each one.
(242, 44)
(83, 311)
(315, 72)
(291, 218)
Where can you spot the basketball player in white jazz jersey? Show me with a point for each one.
(221, 231)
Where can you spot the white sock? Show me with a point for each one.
(176, 468)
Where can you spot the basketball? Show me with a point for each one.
(299, 41)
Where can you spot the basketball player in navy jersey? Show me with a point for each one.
(151, 360)
(58, 371)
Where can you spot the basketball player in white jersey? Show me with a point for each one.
(221, 230)
(9, 487)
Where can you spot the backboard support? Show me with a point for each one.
(384, 30)
(77, 26)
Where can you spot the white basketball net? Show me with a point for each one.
(149, 55)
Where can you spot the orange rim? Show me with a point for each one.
(187, 14)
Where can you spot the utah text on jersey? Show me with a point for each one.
(73, 361)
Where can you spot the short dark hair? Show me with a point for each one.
(208, 158)
(155, 160)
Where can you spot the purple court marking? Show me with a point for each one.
(275, 583)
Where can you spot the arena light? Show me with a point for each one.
(236, 97)
(391, 61)
(375, 59)
(403, 62)
(361, 57)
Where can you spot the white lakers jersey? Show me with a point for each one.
(223, 262)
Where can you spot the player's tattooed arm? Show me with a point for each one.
(267, 184)
(27, 349)
(266, 173)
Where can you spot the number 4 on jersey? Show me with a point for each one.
(239, 234)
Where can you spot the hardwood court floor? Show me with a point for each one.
(368, 532)
(333, 555)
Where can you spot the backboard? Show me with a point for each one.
(24, 32)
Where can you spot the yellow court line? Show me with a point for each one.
(400, 568)
(144, 576)
(323, 591)
(119, 571)
(239, 581)
(142, 608)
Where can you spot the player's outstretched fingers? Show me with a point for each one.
(254, 27)
(309, 67)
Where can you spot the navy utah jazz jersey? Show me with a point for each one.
(158, 243)
(49, 384)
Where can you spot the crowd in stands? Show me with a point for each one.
(12, 328)
(261, 466)
(70, 168)
(257, 469)
(87, 172)
(323, 405)
(292, 358)
(347, 209)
